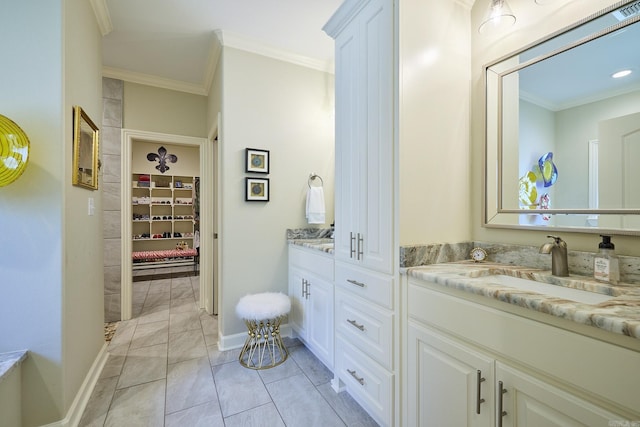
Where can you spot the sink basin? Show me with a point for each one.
(577, 295)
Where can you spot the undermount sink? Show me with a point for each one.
(577, 295)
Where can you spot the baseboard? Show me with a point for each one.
(230, 342)
(74, 414)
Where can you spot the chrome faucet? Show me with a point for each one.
(558, 251)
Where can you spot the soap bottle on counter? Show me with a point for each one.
(606, 266)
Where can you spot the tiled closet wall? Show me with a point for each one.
(110, 146)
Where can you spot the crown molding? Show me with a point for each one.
(251, 45)
(150, 80)
(212, 63)
(103, 18)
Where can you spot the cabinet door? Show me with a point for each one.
(376, 152)
(347, 167)
(448, 384)
(531, 402)
(297, 293)
(364, 139)
(320, 317)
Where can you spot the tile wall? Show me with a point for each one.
(110, 148)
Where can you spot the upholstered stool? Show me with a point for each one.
(263, 313)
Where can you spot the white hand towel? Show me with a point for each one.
(315, 205)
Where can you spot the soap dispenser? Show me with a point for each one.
(606, 267)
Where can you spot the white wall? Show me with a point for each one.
(533, 22)
(287, 109)
(51, 277)
(434, 121)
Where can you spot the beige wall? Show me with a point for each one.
(83, 300)
(164, 111)
(434, 122)
(534, 22)
(288, 110)
(188, 163)
(50, 260)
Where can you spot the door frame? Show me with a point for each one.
(129, 136)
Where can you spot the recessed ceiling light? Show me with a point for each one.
(621, 73)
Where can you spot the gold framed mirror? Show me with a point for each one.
(85, 150)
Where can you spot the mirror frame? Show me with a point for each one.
(494, 214)
(84, 132)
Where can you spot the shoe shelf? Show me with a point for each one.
(162, 211)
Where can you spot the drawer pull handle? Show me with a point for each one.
(354, 323)
(479, 399)
(355, 282)
(501, 413)
(360, 247)
(353, 374)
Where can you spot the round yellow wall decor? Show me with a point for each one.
(14, 151)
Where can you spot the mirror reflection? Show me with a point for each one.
(563, 119)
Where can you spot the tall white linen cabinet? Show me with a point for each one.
(366, 260)
(402, 82)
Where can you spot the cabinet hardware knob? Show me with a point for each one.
(353, 374)
(479, 399)
(354, 323)
(501, 412)
(355, 282)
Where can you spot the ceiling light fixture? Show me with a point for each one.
(499, 17)
(621, 73)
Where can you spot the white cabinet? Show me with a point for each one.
(472, 365)
(448, 384)
(311, 291)
(365, 325)
(363, 32)
(454, 385)
(365, 254)
(526, 401)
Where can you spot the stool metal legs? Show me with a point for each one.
(263, 348)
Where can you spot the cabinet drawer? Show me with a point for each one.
(367, 382)
(319, 263)
(377, 288)
(366, 326)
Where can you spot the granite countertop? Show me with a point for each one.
(9, 361)
(620, 314)
(322, 245)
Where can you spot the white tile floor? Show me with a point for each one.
(164, 369)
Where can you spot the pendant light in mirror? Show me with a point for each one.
(498, 18)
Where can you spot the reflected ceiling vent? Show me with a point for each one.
(627, 11)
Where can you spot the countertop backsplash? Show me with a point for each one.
(308, 233)
(580, 263)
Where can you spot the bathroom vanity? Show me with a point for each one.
(311, 290)
(483, 353)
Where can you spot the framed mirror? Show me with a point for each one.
(563, 129)
(85, 150)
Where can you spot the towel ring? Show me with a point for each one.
(312, 177)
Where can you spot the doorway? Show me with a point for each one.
(206, 223)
